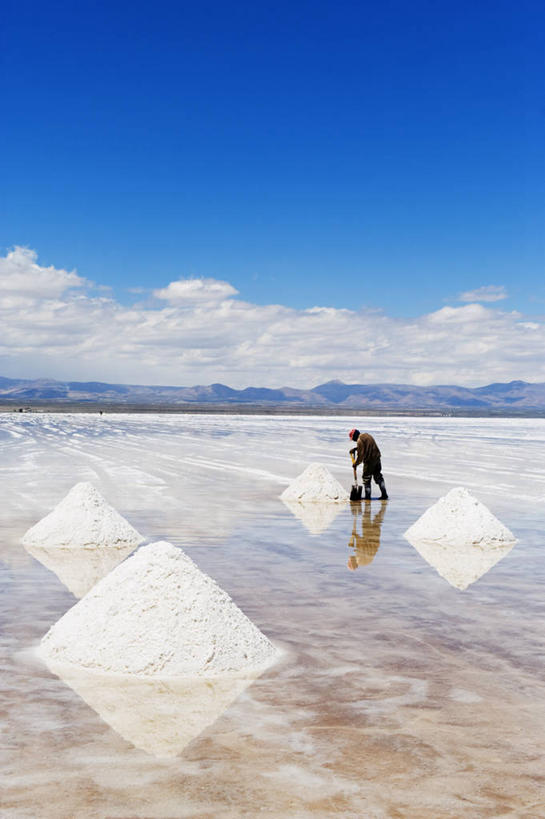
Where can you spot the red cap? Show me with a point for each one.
(350, 434)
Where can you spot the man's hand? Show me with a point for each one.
(353, 451)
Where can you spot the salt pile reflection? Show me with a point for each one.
(461, 565)
(80, 569)
(316, 517)
(161, 716)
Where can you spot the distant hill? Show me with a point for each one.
(516, 395)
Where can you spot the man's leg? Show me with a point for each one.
(378, 478)
(366, 480)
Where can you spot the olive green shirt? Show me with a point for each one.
(367, 449)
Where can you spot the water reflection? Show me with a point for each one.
(366, 544)
(80, 569)
(316, 517)
(160, 717)
(461, 565)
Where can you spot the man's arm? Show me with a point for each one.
(359, 456)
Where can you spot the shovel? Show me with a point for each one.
(355, 492)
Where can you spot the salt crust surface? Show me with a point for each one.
(315, 484)
(83, 520)
(459, 519)
(157, 614)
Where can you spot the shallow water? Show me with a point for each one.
(398, 695)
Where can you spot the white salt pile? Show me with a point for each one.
(82, 520)
(157, 614)
(459, 519)
(316, 484)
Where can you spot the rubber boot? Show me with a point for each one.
(383, 492)
(367, 492)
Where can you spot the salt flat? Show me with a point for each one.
(398, 692)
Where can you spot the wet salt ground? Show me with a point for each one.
(399, 695)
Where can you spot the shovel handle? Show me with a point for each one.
(354, 466)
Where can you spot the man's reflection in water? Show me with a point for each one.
(365, 545)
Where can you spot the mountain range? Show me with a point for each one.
(514, 396)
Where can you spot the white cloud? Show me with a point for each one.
(196, 290)
(202, 334)
(20, 274)
(490, 292)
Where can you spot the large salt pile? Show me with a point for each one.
(316, 484)
(82, 520)
(459, 519)
(157, 614)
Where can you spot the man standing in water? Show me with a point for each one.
(368, 454)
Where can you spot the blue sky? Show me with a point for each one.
(385, 156)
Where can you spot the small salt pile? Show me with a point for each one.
(157, 614)
(459, 519)
(82, 520)
(316, 484)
